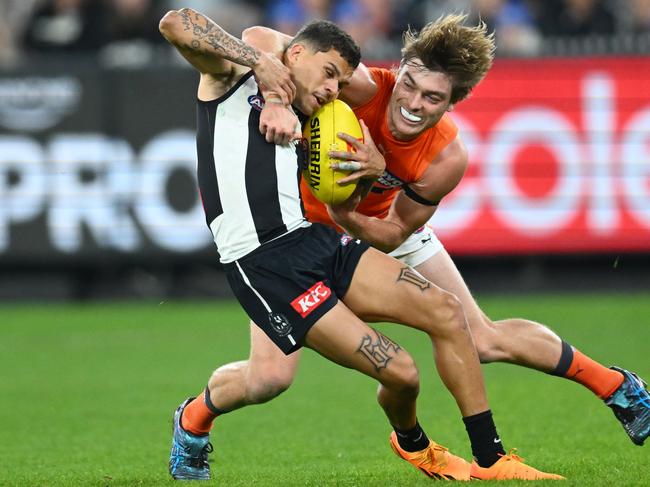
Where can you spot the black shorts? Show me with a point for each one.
(286, 285)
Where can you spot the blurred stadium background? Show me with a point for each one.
(98, 203)
(97, 188)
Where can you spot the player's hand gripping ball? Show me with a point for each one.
(320, 134)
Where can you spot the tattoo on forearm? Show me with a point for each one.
(408, 275)
(207, 33)
(378, 349)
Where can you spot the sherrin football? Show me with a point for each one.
(320, 134)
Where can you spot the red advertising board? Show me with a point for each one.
(559, 159)
(90, 170)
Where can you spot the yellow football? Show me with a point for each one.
(320, 134)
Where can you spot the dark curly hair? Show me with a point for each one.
(323, 35)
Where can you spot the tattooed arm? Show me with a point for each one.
(220, 58)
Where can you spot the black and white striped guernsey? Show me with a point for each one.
(249, 187)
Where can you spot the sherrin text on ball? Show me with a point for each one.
(321, 134)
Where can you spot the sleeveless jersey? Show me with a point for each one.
(406, 161)
(249, 188)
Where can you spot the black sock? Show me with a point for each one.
(412, 440)
(486, 444)
(566, 357)
(208, 402)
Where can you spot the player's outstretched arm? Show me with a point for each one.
(215, 53)
(204, 44)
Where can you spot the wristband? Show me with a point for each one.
(275, 99)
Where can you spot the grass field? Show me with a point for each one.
(87, 392)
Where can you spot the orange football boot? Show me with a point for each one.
(434, 461)
(510, 467)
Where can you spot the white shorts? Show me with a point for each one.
(419, 247)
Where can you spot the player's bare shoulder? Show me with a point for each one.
(444, 172)
(212, 86)
(361, 88)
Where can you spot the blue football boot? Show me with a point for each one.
(189, 456)
(631, 405)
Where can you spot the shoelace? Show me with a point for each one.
(201, 458)
(511, 455)
(204, 451)
(436, 448)
(440, 448)
(431, 457)
(639, 390)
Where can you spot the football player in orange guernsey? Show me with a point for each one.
(407, 115)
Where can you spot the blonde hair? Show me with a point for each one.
(462, 52)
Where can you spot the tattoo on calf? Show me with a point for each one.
(410, 276)
(378, 349)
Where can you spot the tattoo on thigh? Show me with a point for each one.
(407, 274)
(378, 349)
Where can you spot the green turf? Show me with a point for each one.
(87, 392)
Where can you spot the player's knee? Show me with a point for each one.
(265, 385)
(447, 317)
(487, 342)
(404, 375)
(410, 380)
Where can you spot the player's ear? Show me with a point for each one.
(294, 51)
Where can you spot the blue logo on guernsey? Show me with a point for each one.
(389, 180)
(346, 239)
(257, 102)
(385, 182)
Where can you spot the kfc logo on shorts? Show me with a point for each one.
(311, 299)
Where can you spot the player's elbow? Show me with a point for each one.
(165, 26)
(396, 237)
(263, 38)
(390, 242)
(252, 34)
(171, 24)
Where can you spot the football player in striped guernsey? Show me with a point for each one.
(304, 284)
